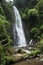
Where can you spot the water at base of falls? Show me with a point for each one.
(19, 36)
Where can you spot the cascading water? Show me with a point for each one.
(31, 42)
(19, 36)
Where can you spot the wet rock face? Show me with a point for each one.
(26, 31)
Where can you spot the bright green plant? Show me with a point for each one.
(33, 12)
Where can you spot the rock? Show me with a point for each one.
(30, 48)
(41, 59)
(27, 59)
(27, 51)
(37, 58)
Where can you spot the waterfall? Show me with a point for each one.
(19, 36)
(9, 0)
(31, 42)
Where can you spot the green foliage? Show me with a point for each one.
(41, 28)
(1, 50)
(28, 10)
(6, 59)
(33, 12)
(42, 35)
(4, 35)
(40, 45)
(24, 15)
(1, 10)
(3, 23)
(2, 54)
(34, 53)
(9, 59)
(33, 15)
(35, 32)
(11, 50)
(8, 10)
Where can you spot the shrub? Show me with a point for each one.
(2, 54)
(4, 24)
(1, 10)
(35, 32)
(41, 28)
(33, 12)
(40, 45)
(9, 59)
(34, 53)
